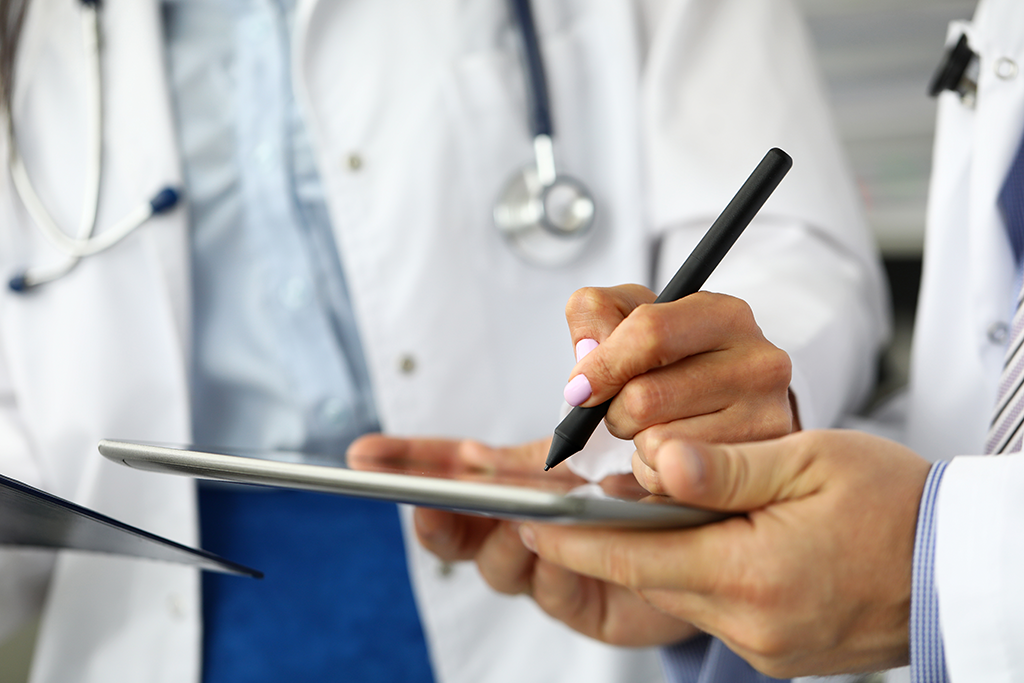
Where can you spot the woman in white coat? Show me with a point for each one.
(662, 108)
(876, 556)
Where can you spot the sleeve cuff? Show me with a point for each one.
(927, 653)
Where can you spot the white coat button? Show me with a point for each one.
(176, 606)
(407, 364)
(445, 569)
(1006, 68)
(998, 332)
(354, 162)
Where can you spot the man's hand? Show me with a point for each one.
(814, 578)
(598, 609)
(698, 368)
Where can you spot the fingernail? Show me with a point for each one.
(688, 457)
(583, 347)
(528, 539)
(577, 390)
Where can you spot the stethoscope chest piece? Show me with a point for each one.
(545, 224)
(546, 217)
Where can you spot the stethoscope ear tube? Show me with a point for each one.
(84, 243)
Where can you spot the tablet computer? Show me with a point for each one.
(516, 494)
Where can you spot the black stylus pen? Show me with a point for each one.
(572, 433)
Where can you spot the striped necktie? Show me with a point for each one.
(1005, 432)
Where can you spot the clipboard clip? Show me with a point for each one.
(958, 71)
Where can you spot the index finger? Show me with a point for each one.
(658, 335)
(689, 560)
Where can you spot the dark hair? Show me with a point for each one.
(12, 16)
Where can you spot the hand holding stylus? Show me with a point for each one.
(704, 371)
(572, 434)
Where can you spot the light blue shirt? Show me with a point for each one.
(277, 359)
(277, 365)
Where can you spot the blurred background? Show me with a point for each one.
(877, 57)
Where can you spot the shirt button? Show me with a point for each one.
(407, 365)
(333, 411)
(263, 154)
(998, 332)
(295, 293)
(354, 162)
(1006, 68)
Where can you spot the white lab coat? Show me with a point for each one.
(968, 290)
(662, 108)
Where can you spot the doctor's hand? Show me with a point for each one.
(601, 610)
(814, 579)
(698, 368)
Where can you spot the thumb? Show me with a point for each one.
(732, 477)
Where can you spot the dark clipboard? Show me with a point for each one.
(32, 518)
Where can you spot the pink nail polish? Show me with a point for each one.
(577, 390)
(583, 347)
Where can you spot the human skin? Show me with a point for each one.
(610, 614)
(812, 577)
(726, 381)
(697, 368)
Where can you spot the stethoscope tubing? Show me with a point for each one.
(540, 104)
(523, 211)
(83, 243)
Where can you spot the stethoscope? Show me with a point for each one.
(547, 217)
(85, 242)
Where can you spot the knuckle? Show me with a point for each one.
(562, 599)
(761, 631)
(622, 570)
(737, 474)
(764, 637)
(649, 440)
(641, 403)
(738, 312)
(586, 304)
(651, 331)
(777, 365)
